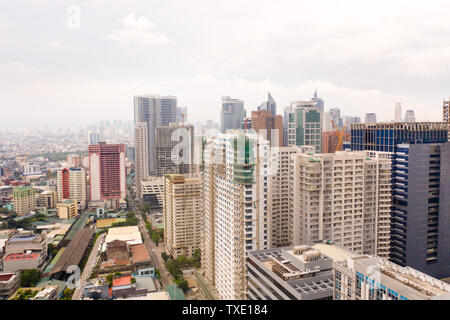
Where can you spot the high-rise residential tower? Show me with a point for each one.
(155, 111)
(344, 197)
(236, 216)
(24, 200)
(183, 213)
(232, 114)
(107, 172)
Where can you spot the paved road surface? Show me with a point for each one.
(155, 255)
(92, 260)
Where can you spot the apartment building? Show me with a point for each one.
(141, 154)
(72, 185)
(344, 197)
(365, 277)
(278, 203)
(236, 218)
(183, 212)
(24, 200)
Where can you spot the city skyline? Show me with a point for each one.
(90, 58)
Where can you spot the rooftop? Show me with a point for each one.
(122, 281)
(22, 256)
(140, 253)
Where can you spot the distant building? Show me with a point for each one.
(167, 139)
(183, 211)
(67, 209)
(446, 111)
(269, 105)
(409, 116)
(24, 199)
(107, 172)
(370, 118)
(398, 112)
(231, 114)
(303, 125)
(141, 148)
(154, 110)
(271, 126)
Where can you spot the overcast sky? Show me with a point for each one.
(362, 56)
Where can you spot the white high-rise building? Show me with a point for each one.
(141, 152)
(410, 116)
(343, 197)
(236, 217)
(398, 112)
(71, 185)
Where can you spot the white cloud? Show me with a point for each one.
(138, 33)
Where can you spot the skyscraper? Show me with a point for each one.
(409, 116)
(167, 138)
(421, 215)
(71, 184)
(107, 173)
(320, 104)
(264, 121)
(236, 218)
(398, 112)
(141, 152)
(24, 200)
(446, 111)
(231, 114)
(156, 111)
(183, 213)
(370, 118)
(303, 125)
(269, 105)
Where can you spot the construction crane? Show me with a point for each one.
(183, 115)
(341, 135)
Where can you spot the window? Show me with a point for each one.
(338, 275)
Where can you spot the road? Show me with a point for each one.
(155, 254)
(92, 260)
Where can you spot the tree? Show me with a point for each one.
(29, 278)
(182, 284)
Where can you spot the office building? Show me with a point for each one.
(141, 152)
(290, 273)
(270, 126)
(72, 185)
(303, 125)
(446, 111)
(269, 105)
(183, 213)
(24, 200)
(370, 118)
(152, 190)
(24, 251)
(156, 111)
(174, 149)
(68, 209)
(398, 112)
(236, 217)
(344, 197)
(46, 199)
(365, 277)
(107, 173)
(410, 116)
(420, 230)
(231, 114)
(386, 136)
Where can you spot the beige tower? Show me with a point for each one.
(343, 197)
(183, 213)
(72, 185)
(24, 200)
